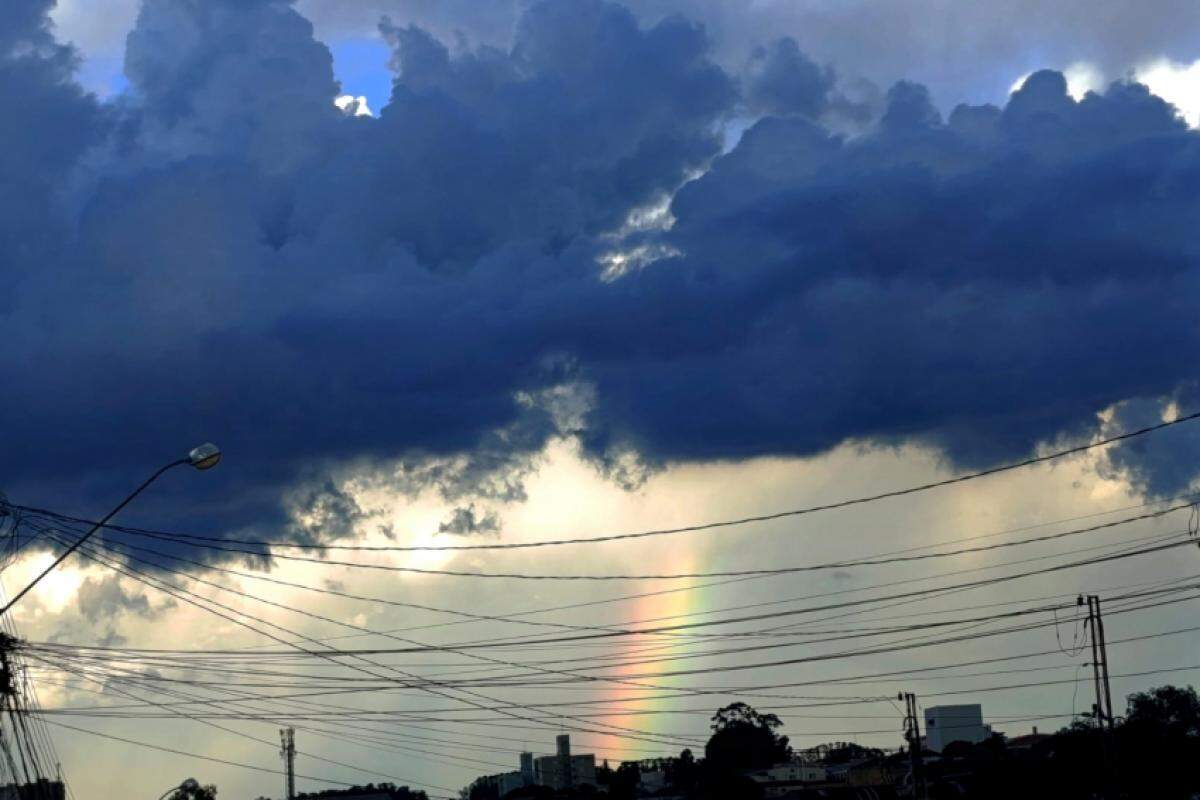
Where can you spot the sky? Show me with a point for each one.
(456, 273)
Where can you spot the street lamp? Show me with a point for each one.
(203, 457)
(190, 785)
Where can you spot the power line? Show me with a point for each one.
(214, 759)
(518, 618)
(440, 688)
(873, 650)
(910, 674)
(175, 713)
(860, 562)
(878, 699)
(705, 526)
(120, 547)
(1153, 548)
(693, 575)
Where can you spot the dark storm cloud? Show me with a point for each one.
(982, 282)
(221, 254)
(1159, 465)
(248, 265)
(961, 50)
(782, 80)
(324, 511)
(243, 80)
(584, 118)
(49, 124)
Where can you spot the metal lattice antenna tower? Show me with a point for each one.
(287, 737)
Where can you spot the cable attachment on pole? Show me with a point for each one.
(8, 677)
(8, 684)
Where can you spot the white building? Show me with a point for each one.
(503, 783)
(946, 724)
(563, 770)
(559, 771)
(782, 779)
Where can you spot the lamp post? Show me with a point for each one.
(190, 785)
(203, 457)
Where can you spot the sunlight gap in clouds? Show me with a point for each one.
(655, 216)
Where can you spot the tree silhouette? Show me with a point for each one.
(1169, 709)
(192, 790)
(745, 739)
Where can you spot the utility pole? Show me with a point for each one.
(1105, 719)
(1104, 662)
(8, 685)
(1103, 707)
(912, 732)
(288, 738)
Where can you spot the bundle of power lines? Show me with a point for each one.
(627, 688)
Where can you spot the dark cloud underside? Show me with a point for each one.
(221, 254)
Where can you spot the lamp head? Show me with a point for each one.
(205, 456)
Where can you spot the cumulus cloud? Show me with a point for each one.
(244, 80)
(975, 281)
(58, 123)
(105, 609)
(466, 521)
(1175, 82)
(962, 51)
(782, 80)
(106, 599)
(353, 106)
(324, 511)
(420, 298)
(1159, 466)
(585, 117)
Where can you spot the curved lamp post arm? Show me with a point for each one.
(203, 457)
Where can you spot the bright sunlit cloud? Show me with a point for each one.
(1082, 77)
(1175, 82)
(355, 106)
(55, 591)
